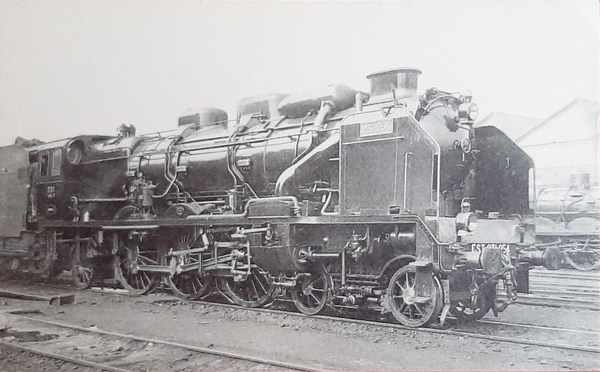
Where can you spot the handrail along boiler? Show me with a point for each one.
(335, 197)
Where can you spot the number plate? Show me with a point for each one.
(478, 247)
(376, 128)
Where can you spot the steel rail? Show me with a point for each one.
(568, 274)
(198, 349)
(556, 303)
(521, 301)
(533, 326)
(423, 330)
(47, 354)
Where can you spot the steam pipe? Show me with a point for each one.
(304, 166)
(310, 147)
(326, 109)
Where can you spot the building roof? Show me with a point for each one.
(576, 121)
(514, 126)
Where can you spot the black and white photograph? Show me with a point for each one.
(190, 185)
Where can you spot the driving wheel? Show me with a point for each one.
(189, 285)
(127, 271)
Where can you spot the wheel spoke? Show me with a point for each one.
(261, 284)
(418, 308)
(315, 297)
(253, 287)
(402, 289)
(315, 281)
(402, 307)
(145, 279)
(147, 260)
(193, 283)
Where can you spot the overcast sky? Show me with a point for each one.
(71, 67)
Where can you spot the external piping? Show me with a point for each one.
(306, 165)
(326, 109)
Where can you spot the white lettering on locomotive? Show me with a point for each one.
(505, 247)
(376, 128)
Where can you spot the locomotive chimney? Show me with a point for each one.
(394, 84)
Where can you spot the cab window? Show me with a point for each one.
(56, 162)
(44, 159)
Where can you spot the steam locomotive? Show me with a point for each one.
(338, 198)
(567, 217)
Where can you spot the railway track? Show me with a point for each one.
(484, 331)
(460, 330)
(487, 331)
(564, 288)
(591, 337)
(115, 362)
(62, 358)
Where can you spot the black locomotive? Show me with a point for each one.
(335, 197)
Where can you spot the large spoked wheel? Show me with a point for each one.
(255, 291)
(473, 308)
(82, 270)
(311, 293)
(189, 285)
(406, 307)
(135, 281)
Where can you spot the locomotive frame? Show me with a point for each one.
(335, 197)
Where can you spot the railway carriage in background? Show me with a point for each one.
(388, 201)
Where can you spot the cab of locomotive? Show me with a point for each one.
(50, 190)
(74, 178)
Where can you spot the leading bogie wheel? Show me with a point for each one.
(409, 309)
(312, 292)
(255, 291)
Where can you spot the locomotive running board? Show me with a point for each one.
(132, 227)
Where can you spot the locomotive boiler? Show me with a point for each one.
(338, 198)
